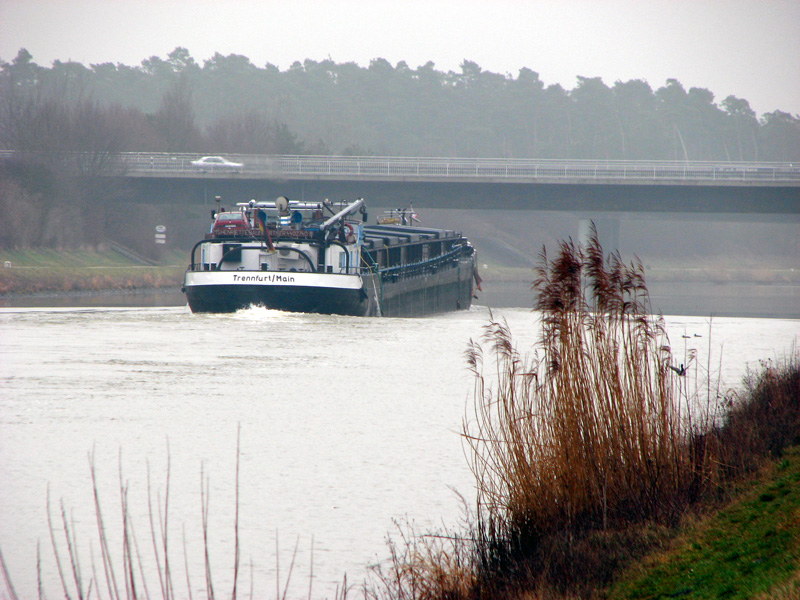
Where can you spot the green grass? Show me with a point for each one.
(46, 257)
(746, 549)
(43, 270)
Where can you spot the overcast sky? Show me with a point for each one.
(748, 48)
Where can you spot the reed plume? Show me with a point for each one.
(587, 432)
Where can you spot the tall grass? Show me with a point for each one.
(589, 448)
(591, 431)
(424, 566)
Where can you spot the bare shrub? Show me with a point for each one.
(764, 418)
(425, 567)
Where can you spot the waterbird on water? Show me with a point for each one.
(680, 371)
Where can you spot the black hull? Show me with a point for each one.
(448, 289)
(226, 299)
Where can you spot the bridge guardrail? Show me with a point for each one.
(379, 167)
(425, 168)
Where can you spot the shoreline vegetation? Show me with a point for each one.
(42, 271)
(45, 271)
(603, 470)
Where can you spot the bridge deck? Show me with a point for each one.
(376, 168)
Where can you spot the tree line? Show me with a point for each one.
(228, 104)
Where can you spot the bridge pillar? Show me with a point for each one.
(607, 232)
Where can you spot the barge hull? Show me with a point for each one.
(228, 299)
(447, 290)
(229, 291)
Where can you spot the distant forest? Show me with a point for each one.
(229, 105)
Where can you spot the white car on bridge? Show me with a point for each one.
(217, 164)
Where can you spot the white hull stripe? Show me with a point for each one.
(273, 278)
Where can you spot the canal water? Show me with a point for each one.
(348, 427)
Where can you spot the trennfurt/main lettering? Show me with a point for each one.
(265, 278)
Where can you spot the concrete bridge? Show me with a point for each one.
(681, 187)
(681, 210)
(536, 184)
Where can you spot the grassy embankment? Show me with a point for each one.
(42, 270)
(749, 548)
(51, 271)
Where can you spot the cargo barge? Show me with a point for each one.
(325, 258)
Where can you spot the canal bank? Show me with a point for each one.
(38, 278)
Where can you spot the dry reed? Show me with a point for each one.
(425, 567)
(131, 583)
(593, 431)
